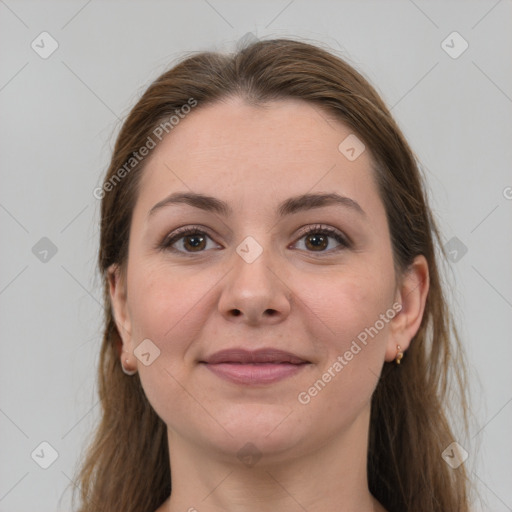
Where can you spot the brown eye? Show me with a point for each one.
(317, 239)
(188, 240)
(195, 242)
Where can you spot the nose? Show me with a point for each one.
(254, 293)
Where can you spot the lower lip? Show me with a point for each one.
(264, 373)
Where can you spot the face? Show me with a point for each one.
(272, 270)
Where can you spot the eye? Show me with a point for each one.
(317, 239)
(191, 239)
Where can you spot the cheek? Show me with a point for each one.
(163, 308)
(354, 303)
(357, 311)
(160, 299)
(170, 307)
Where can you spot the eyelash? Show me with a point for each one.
(166, 244)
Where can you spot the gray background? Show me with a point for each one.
(59, 119)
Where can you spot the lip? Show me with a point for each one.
(263, 355)
(256, 367)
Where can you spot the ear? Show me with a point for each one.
(412, 295)
(118, 300)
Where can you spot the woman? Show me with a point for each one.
(276, 334)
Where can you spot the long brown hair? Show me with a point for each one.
(127, 463)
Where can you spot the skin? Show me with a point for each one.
(313, 456)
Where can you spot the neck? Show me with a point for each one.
(330, 477)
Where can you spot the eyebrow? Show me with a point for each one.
(288, 207)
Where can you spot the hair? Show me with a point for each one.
(127, 463)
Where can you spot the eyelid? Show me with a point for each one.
(330, 231)
(179, 233)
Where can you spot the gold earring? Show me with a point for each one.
(399, 354)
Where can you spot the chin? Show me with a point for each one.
(267, 429)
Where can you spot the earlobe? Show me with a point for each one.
(412, 295)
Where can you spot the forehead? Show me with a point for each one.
(282, 148)
(232, 128)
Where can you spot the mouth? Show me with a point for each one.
(257, 367)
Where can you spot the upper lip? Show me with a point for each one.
(243, 356)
